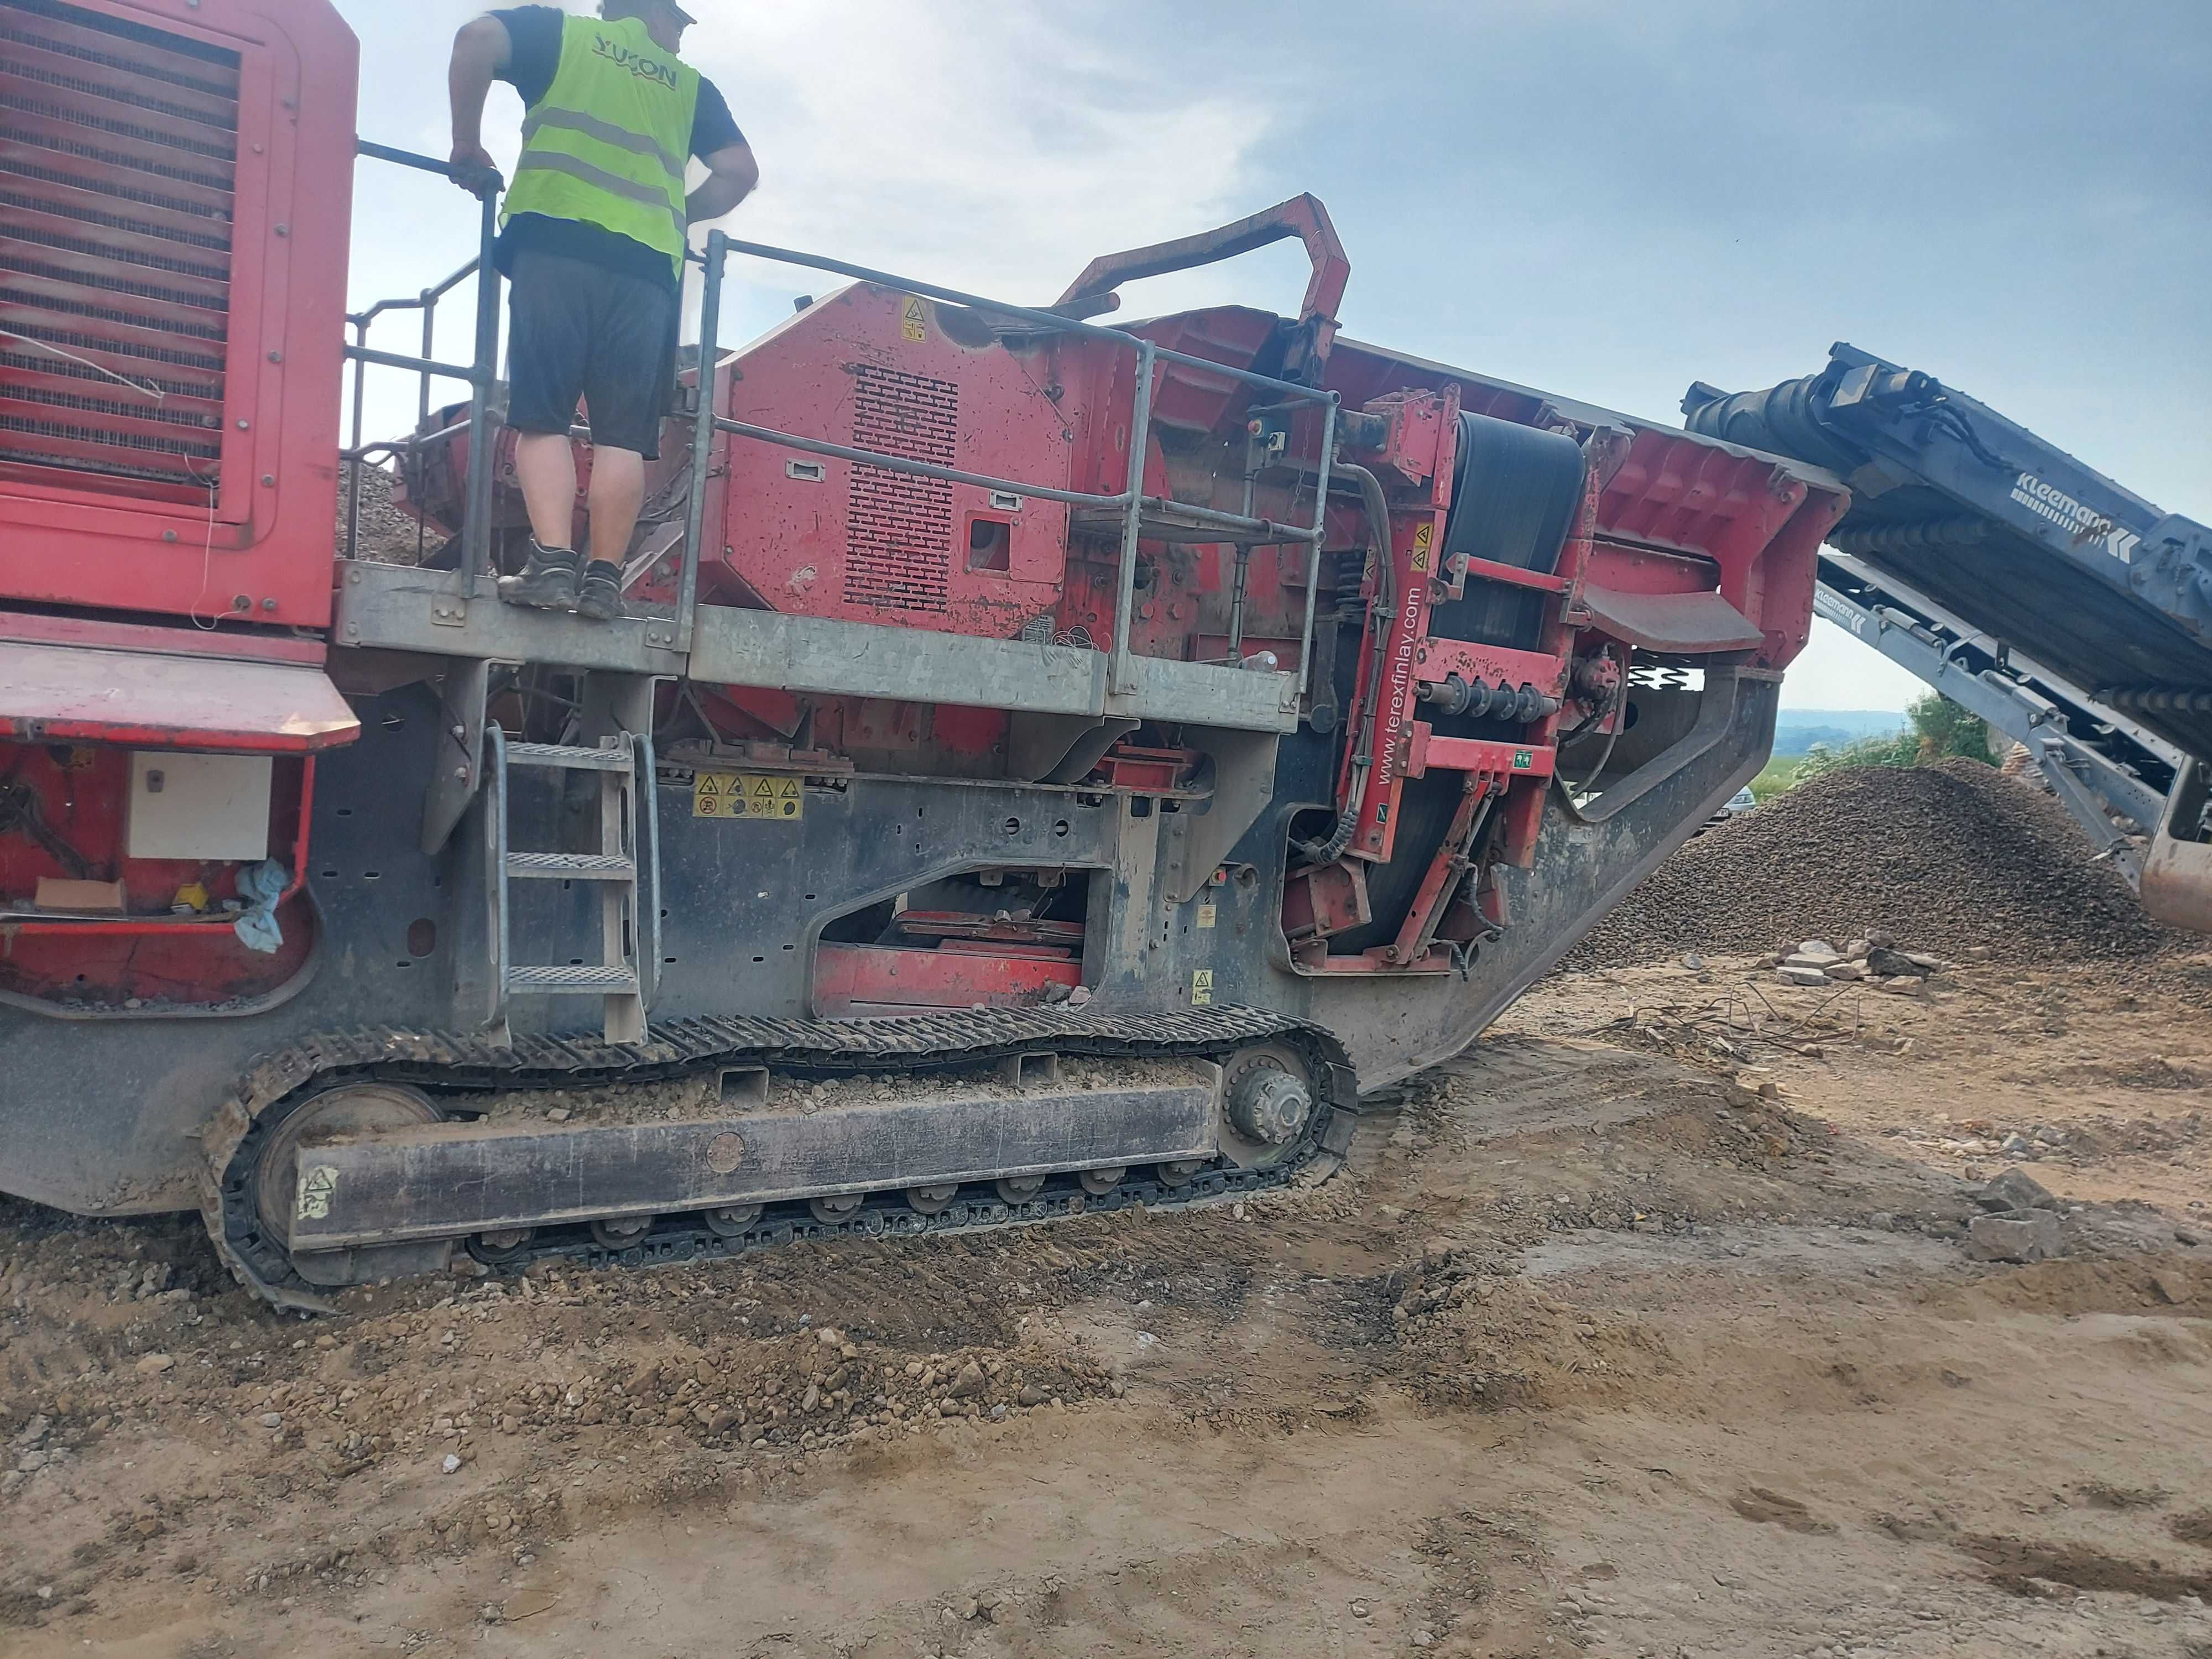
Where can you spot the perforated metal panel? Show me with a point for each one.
(900, 555)
(118, 162)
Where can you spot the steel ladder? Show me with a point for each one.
(625, 868)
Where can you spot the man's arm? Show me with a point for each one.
(481, 51)
(732, 173)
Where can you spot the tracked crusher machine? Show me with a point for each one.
(1041, 766)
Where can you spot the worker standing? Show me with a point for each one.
(595, 231)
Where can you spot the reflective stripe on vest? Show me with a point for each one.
(608, 143)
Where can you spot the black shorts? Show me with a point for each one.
(579, 331)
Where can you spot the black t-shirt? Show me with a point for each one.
(535, 34)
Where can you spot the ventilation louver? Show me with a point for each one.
(900, 552)
(118, 150)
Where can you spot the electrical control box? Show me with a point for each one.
(206, 807)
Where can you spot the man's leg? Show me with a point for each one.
(548, 353)
(617, 492)
(628, 392)
(545, 467)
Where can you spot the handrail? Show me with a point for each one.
(1131, 501)
(480, 375)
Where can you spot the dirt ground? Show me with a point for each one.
(1644, 1330)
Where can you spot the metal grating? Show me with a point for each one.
(899, 554)
(118, 146)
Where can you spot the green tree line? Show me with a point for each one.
(1936, 729)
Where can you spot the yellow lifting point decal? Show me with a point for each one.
(915, 320)
(1202, 988)
(747, 795)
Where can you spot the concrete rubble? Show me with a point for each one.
(1873, 960)
(2020, 1221)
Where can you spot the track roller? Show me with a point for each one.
(832, 1208)
(932, 1200)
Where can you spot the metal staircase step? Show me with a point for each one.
(586, 980)
(570, 866)
(569, 756)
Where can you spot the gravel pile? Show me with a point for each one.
(388, 535)
(1950, 856)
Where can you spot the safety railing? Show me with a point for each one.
(1131, 502)
(480, 375)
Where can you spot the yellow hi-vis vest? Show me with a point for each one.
(608, 143)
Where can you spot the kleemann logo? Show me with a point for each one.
(2081, 523)
(645, 69)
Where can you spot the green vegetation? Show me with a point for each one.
(1781, 772)
(1938, 729)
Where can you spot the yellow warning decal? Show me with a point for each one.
(747, 795)
(1424, 541)
(915, 318)
(1202, 988)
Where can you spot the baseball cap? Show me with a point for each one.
(670, 5)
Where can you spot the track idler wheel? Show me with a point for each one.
(1099, 1182)
(1180, 1173)
(1019, 1189)
(350, 1109)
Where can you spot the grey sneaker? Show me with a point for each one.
(548, 581)
(598, 597)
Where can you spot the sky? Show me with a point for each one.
(1601, 200)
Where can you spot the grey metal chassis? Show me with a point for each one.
(747, 902)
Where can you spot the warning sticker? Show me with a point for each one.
(1424, 543)
(915, 320)
(747, 795)
(317, 1188)
(1202, 988)
(1205, 916)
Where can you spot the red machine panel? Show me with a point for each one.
(175, 202)
(886, 372)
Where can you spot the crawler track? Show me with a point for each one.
(446, 1063)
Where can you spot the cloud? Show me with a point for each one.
(994, 145)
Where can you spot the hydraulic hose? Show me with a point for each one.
(1377, 508)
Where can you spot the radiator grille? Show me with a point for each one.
(118, 147)
(900, 555)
